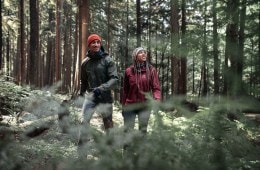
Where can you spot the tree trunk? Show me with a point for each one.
(49, 71)
(22, 51)
(58, 42)
(17, 60)
(40, 58)
(84, 9)
(204, 78)
(76, 54)
(175, 46)
(183, 61)
(34, 43)
(83, 21)
(215, 49)
(20, 61)
(167, 79)
(241, 41)
(127, 61)
(193, 74)
(66, 64)
(8, 55)
(138, 23)
(50, 55)
(149, 39)
(231, 51)
(163, 73)
(108, 26)
(1, 38)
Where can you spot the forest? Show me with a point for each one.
(206, 53)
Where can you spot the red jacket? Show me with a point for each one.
(137, 84)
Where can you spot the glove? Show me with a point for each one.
(96, 92)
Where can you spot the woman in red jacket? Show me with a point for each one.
(140, 78)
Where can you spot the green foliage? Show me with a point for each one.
(11, 97)
(176, 138)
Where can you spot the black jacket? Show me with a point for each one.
(99, 70)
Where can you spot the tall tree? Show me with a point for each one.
(8, 54)
(231, 51)
(175, 46)
(84, 15)
(149, 30)
(76, 62)
(1, 37)
(22, 44)
(241, 46)
(50, 55)
(67, 56)
(204, 76)
(127, 36)
(108, 23)
(34, 43)
(184, 52)
(40, 58)
(215, 48)
(83, 20)
(138, 23)
(19, 62)
(58, 41)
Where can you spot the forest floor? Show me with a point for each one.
(40, 138)
(34, 138)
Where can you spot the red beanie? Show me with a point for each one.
(93, 37)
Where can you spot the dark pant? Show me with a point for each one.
(105, 109)
(88, 109)
(143, 118)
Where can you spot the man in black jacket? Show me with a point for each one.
(98, 77)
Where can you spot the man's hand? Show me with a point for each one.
(96, 92)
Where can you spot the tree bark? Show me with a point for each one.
(75, 69)
(83, 21)
(215, 49)
(175, 46)
(138, 23)
(50, 55)
(183, 61)
(66, 65)
(108, 27)
(84, 9)
(241, 45)
(1, 38)
(58, 43)
(23, 55)
(34, 43)
(231, 51)
(204, 77)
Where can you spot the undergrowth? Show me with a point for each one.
(183, 140)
